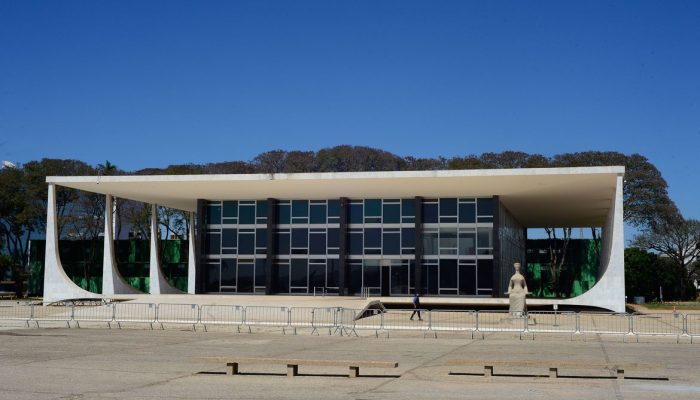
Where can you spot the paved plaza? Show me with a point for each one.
(139, 363)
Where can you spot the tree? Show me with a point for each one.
(557, 255)
(679, 240)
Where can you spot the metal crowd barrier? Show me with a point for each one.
(98, 313)
(454, 321)
(604, 323)
(349, 321)
(16, 312)
(501, 321)
(277, 317)
(692, 325)
(170, 313)
(399, 320)
(144, 313)
(552, 322)
(55, 313)
(658, 324)
(212, 314)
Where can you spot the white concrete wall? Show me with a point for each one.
(57, 285)
(609, 291)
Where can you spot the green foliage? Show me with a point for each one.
(645, 272)
(579, 272)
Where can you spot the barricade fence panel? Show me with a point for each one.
(97, 313)
(368, 319)
(170, 313)
(604, 323)
(500, 321)
(692, 324)
(552, 322)
(52, 313)
(658, 324)
(301, 317)
(135, 312)
(455, 321)
(221, 314)
(16, 312)
(267, 316)
(393, 320)
(325, 317)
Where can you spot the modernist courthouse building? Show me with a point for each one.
(441, 233)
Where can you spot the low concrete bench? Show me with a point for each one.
(293, 364)
(553, 366)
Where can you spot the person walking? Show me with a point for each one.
(416, 307)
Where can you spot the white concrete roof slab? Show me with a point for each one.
(537, 197)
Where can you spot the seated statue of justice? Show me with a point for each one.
(517, 290)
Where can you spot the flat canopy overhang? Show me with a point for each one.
(537, 197)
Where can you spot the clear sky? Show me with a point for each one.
(147, 83)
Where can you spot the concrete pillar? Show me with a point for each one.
(57, 285)
(112, 281)
(191, 259)
(157, 282)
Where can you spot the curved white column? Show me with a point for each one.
(112, 281)
(609, 291)
(57, 285)
(157, 282)
(191, 262)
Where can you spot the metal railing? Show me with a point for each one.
(349, 321)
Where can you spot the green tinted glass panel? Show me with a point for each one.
(261, 206)
(213, 215)
(283, 213)
(247, 214)
(392, 213)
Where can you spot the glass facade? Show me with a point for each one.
(380, 253)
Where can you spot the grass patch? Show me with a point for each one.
(668, 305)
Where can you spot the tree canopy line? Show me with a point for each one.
(23, 195)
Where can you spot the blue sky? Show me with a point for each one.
(146, 83)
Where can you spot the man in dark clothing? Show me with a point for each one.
(416, 306)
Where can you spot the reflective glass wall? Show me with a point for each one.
(381, 252)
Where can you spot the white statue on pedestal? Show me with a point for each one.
(517, 290)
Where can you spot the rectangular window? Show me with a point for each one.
(332, 273)
(408, 237)
(228, 272)
(448, 274)
(355, 242)
(355, 215)
(448, 241)
(317, 243)
(430, 213)
(246, 243)
(299, 272)
(261, 237)
(372, 276)
(333, 211)
(282, 277)
(355, 272)
(213, 243)
(318, 214)
(467, 242)
(213, 277)
(317, 275)
(213, 215)
(260, 272)
(300, 238)
(333, 237)
(484, 237)
(300, 208)
(373, 211)
(485, 274)
(430, 243)
(467, 213)
(283, 214)
(261, 211)
(282, 242)
(247, 214)
(391, 244)
(246, 277)
(484, 206)
(448, 207)
(392, 213)
(229, 237)
(230, 209)
(408, 210)
(467, 280)
(373, 237)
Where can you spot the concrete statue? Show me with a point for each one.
(517, 290)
